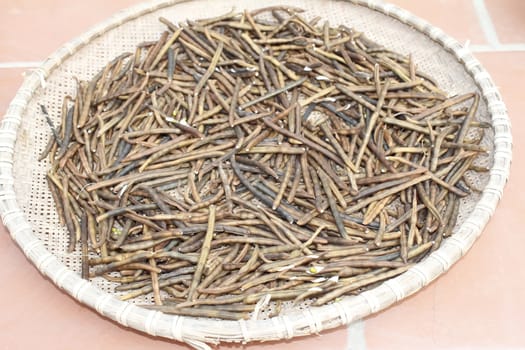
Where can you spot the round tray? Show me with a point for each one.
(27, 208)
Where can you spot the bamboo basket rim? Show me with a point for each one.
(197, 332)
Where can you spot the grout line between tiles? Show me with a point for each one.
(20, 64)
(519, 47)
(486, 22)
(356, 336)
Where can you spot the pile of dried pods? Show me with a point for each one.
(259, 156)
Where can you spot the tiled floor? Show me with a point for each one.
(508, 19)
(478, 304)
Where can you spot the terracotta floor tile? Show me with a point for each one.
(28, 32)
(455, 17)
(479, 302)
(508, 18)
(11, 80)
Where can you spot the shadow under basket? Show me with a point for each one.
(28, 210)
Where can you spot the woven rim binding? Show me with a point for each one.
(199, 331)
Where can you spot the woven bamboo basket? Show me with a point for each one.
(28, 211)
